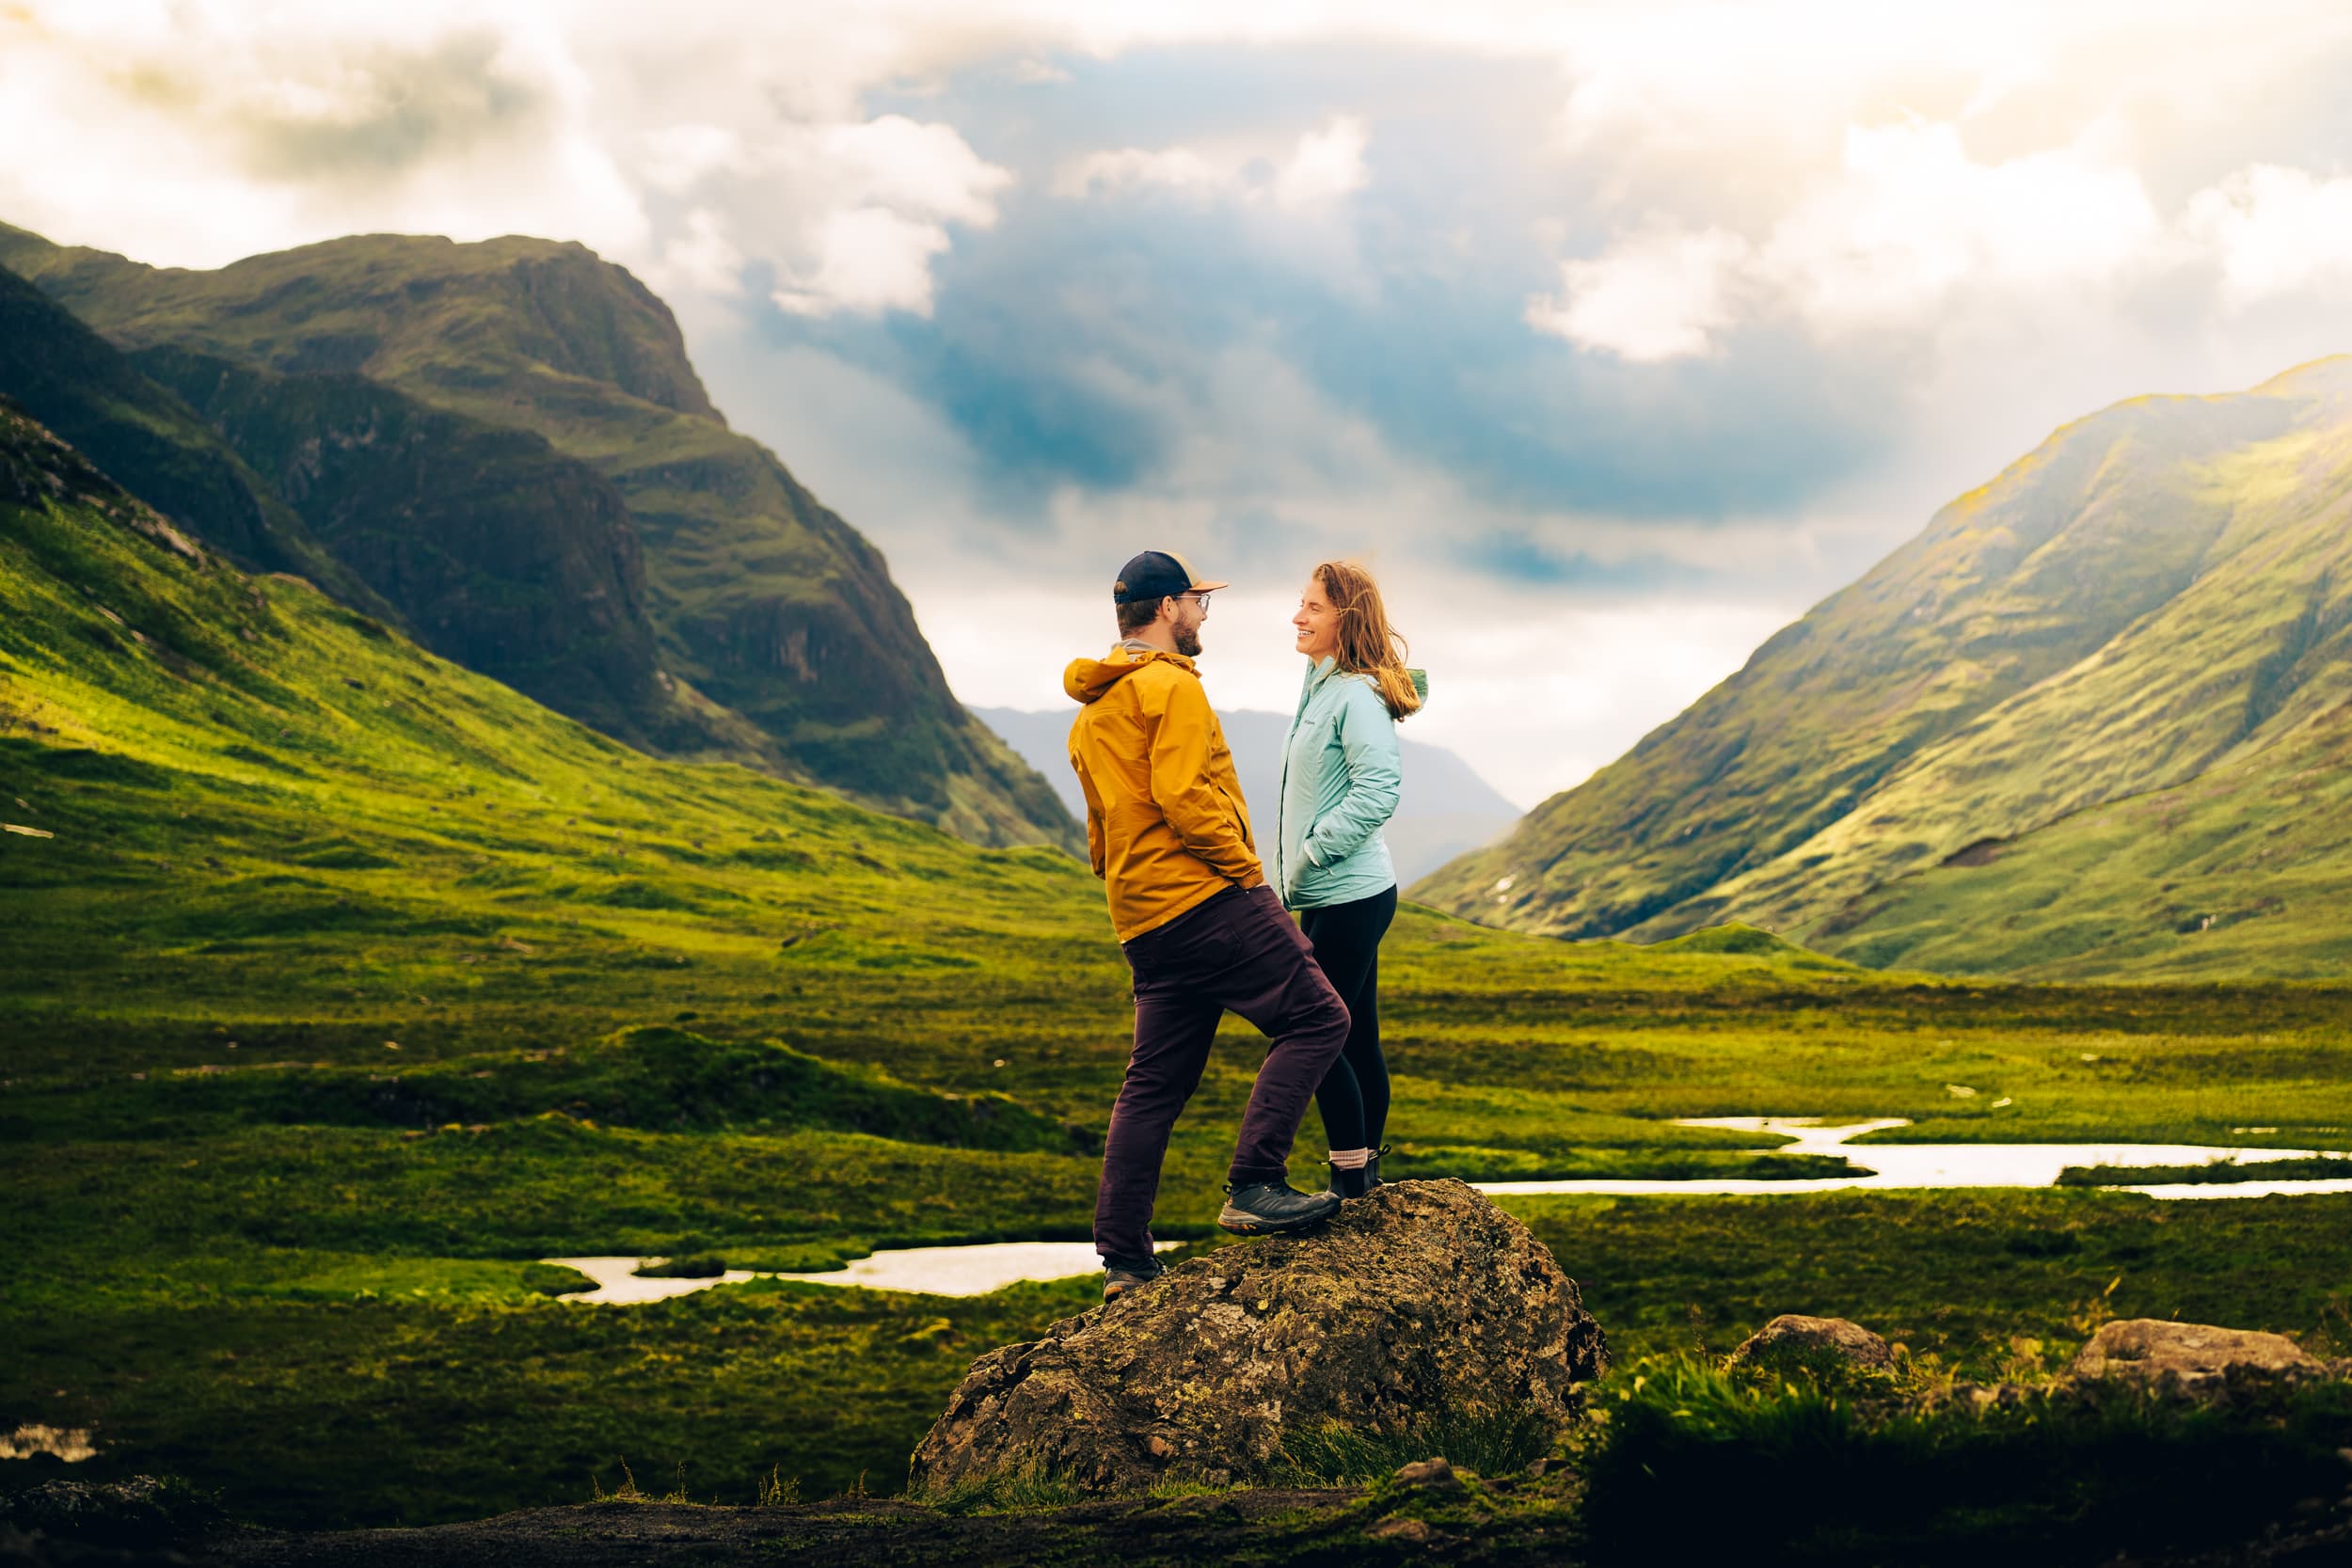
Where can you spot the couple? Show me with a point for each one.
(1168, 834)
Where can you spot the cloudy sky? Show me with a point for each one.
(1611, 337)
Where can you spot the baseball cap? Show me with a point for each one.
(1155, 575)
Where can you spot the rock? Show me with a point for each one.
(1410, 1533)
(1422, 1302)
(2189, 1358)
(1434, 1475)
(1793, 1333)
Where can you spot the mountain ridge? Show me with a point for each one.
(776, 618)
(2156, 589)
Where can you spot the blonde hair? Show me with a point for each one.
(1368, 644)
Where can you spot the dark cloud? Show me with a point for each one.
(1077, 341)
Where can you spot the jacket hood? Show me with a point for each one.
(1088, 679)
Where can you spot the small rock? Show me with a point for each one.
(1161, 1447)
(1793, 1331)
(1431, 1475)
(2189, 1358)
(1411, 1532)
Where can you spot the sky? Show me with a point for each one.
(1611, 338)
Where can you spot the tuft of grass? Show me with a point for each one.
(629, 1492)
(700, 1266)
(1496, 1443)
(1023, 1489)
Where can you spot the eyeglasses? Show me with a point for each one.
(1201, 599)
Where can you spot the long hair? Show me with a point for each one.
(1368, 644)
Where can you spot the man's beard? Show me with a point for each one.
(1189, 641)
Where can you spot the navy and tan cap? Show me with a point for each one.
(1156, 574)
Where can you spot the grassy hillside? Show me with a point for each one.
(2240, 871)
(761, 599)
(347, 982)
(2159, 591)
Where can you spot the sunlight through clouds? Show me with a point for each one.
(1558, 311)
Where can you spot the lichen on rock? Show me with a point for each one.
(1419, 1304)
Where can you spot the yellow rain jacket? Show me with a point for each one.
(1166, 826)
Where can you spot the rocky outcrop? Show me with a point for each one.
(1792, 1332)
(1423, 1302)
(2187, 1358)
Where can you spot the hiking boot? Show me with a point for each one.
(1352, 1183)
(1121, 1276)
(1270, 1207)
(1372, 1169)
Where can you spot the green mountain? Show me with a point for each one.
(81, 387)
(473, 530)
(2156, 600)
(208, 768)
(774, 625)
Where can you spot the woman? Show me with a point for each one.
(1340, 784)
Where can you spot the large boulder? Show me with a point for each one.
(2187, 1358)
(1422, 1303)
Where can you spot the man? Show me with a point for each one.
(1170, 836)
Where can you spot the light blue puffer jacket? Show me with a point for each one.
(1341, 781)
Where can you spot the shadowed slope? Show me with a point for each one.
(761, 599)
(80, 385)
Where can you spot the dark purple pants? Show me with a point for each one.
(1236, 953)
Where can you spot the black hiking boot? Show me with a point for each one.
(1372, 1169)
(1120, 1276)
(1270, 1207)
(1352, 1183)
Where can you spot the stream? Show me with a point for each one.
(980, 1268)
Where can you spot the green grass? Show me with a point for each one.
(350, 985)
(1337, 1454)
(2324, 1167)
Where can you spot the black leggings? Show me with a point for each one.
(1354, 1097)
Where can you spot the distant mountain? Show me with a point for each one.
(561, 504)
(2006, 746)
(1446, 811)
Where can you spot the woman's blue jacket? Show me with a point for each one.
(1341, 781)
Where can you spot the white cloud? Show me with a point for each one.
(2274, 231)
(1326, 165)
(1177, 169)
(869, 259)
(858, 210)
(1318, 169)
(702, 259)
(1910, 217)
(678, 157)
(1662, 295)
(1906, 221)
